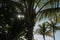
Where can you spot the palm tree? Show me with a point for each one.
(31, 16)
(51, 15)
(53, 23)
(54, 28)
(26, 7)
(43, 30)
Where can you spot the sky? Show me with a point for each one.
(57, 36)
(40, 37)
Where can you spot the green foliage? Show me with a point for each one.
(44, 30)
(11, 26)
(16, 27)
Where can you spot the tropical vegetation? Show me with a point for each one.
(29, 11)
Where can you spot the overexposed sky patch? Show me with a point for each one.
(40, 37)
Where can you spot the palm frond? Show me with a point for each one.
(49, 33)
(49, 13)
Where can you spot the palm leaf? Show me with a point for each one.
(47, 32)
(49, 13)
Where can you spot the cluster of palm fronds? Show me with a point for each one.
(11, 28)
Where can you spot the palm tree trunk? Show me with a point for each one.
(30, 25)
(30, 20)
(30, 32)
(44, 31)
(43, 36)
(53, 34)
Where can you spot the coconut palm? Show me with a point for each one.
(54, 28)
(44, 30)
(51, 15)
(53, 23)
(26, 7)
(30, 14)
(47, 28)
